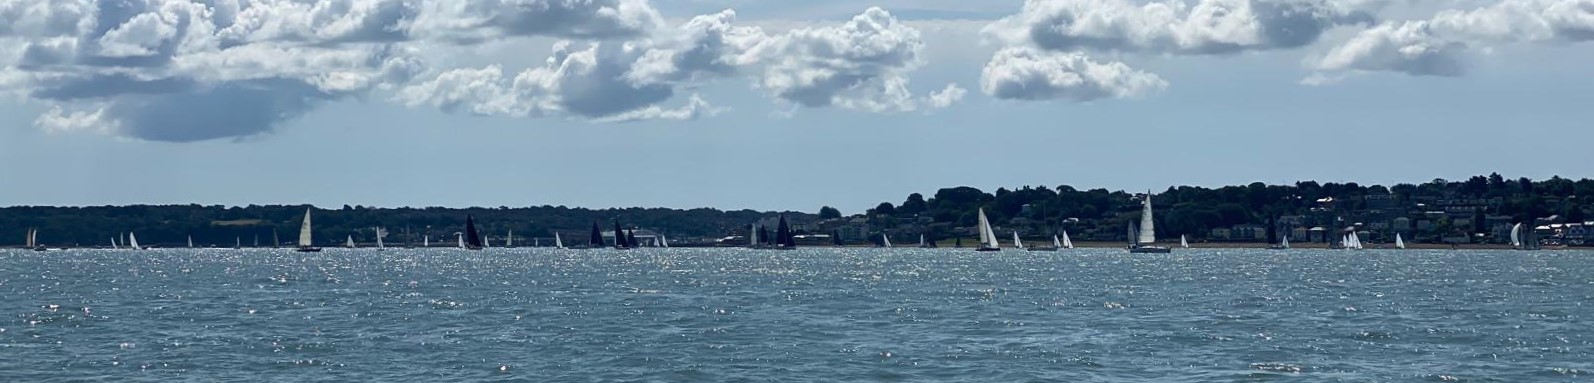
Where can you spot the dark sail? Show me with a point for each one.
(763, 236)
(619, 236)
(835, 237)
(783, 235)
(597, 236)
(630, 238)
(473, 240)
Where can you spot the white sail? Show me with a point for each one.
(987, 235)
(349, 243)
(461, 238)
(379, 234)
(752, 235)
(510, 240)
(1057, 243)
(558, 243)
(487, 241)
(1067, 243)
(1183, 243)
(1017, 243)
(1148, 228)
(426, 241)
(1285, 242)
(921, 240)
(304, 230)
(28, 241)
(132, 241)
(885, 240)
(664, 241)
(1399, 243)
(1516, 235)
(190, 241)
(115, 244)
(237, 242)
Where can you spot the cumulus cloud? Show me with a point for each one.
(1439, 46)
(861, 64)
(189, 70)
(946, 96)
(1171, 26)
(1022, 73)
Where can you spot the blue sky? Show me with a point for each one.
(802, 104)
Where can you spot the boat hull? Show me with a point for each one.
(1041, 249)
(308, 249)
(1150, 250)
(988, 249)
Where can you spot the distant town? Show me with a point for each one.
(1481, 210)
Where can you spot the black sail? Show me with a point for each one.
(597, 236)
(619, 236)
(783, 236)
(472, 239)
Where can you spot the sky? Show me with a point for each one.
(773, 105)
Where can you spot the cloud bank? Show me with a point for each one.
(191, 70)
(1441, 45)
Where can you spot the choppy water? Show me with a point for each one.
(702, 315)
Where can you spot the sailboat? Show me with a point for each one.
(132, 241)
(509, 241)
(1516, 236)
(620, 240)
(487, 241)
(922, 243)
(460, 239)
(190, 241)
(752, 237)
(1017, 243)
(783, 236)
(237, 243)
(595, 239)
(473, 241)
(1183, 243)
(33, 240)
(1067, 243)
(349, 243)
(885, 240)
(115, 243)
(664, 242)
(1145, 243)
(1056, 244)
(426, 240)
(1399, 243)
(305, 245)
(558, 243)
(987, 236)
(379, 234)
(1284, 243)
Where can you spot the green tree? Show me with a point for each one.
(827, 212)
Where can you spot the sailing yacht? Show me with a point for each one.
(237, 243)
(1067, 243)
(473, 241)
(190, 241)
(620, 240)
(305, 245)
(1145, 243)
(349, 242)
(1056, 244)
(1399, 243)
(132, 241)
(1284, 243)
(426, 240)
(663, 241)
(1017, 243)
(33, 240)
(987, 236)
(885, 240)
(379, 234)
(1183, 243)
(558, 243)
(784, 240)
(509, 241)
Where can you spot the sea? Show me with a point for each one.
(809, 315)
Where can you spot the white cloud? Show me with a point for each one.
(1031, 74)
(1171, 26)
(1439, 46)
(946, 96)
(861, 64)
